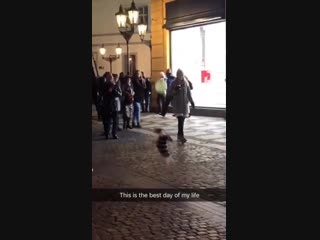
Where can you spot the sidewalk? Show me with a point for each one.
(133, 161)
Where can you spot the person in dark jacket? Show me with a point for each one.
(110, 92)
(170, 79)
(95, 95)
(100, 84)
(127, 109)
(139, 86)
(147, 94)
(122, 79)
(118, 100)
(143, 103)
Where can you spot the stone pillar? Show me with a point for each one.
(160, 42)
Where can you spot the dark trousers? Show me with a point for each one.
(147, 100)
(166, 105)
(107, 119)
(98, 106)
(180, 126)
(118, 119)
(161, 101)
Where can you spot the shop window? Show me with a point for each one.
(204, 62)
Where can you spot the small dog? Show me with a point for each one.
(162, 142)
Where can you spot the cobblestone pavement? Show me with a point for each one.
(133, 161)
(163, 221)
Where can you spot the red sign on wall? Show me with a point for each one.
(205, 76)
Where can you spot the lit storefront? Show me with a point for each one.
(198, 47)
(201, 53)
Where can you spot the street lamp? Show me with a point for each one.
(126, 23)
(102, 50)
(133, 14)
(118, 50)
(111, 58)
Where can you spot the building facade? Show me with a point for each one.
(105, 32)
(185, 34)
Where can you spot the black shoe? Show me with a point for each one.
(138, 126)
(129, 127)
(182, 139)
(119, 129)
(107, 136)
(114, 136)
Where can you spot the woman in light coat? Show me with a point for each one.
(181, 94)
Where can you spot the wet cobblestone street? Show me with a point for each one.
(133, 161)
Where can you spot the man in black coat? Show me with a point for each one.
(95, 95)
(110, 92)
(147, 95)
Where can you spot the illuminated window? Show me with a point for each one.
(201, 53)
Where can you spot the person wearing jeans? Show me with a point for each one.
(139, 86)
(127, 113)
(136, 114)
(181, 96)
(111, 91)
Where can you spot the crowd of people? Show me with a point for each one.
(115, 95)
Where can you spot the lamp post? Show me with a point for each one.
(126, 23)
(111, 58)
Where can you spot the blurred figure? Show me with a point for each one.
(181, 96)
(118, 99)
(161, 89)
(95, 94)
(147, 95)
(225, 112)
(170, 77)
(139, 86)
(143, 103)
(127, 110)
(122, 79)
(110, 92)
(189, 82)
(100, 84)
